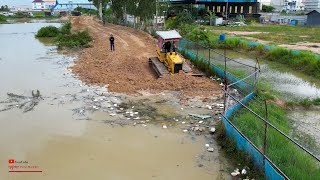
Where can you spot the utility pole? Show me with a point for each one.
(156, 14)
(100, 9)
(227, 9)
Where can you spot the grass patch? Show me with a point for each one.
(64, 38)
(294, 162)
(283, 34)
(305, 102)
(3, 19)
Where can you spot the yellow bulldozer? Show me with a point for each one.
(168, 60)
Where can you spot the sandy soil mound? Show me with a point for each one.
(127, 70)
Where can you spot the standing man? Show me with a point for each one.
(111, 39)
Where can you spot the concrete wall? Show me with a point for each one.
(276, 17)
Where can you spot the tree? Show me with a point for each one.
(4, 8)
(266, 8)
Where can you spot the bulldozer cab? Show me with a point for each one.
(168, 60)
(168, 40)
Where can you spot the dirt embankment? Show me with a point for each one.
(126, 70)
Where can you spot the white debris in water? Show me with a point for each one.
(181, 108)
(235, 173)
(164, 127)
(127, 112)
(200, 122)
(243, 171)
(183, 122)
(185, 130)
(113, 114)
(132, 107)
(115, 105)
(212, 129)
(137, 118)
(144, 125)
(176, 120)
(207, 145)
(210, 149)
(122, 109)
(136, 113)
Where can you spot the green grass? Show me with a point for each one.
(295, 163)
(279, 33)
(305, 102)
(3, 19)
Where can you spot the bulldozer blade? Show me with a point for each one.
(158, 67)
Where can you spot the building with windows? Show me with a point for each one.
(311, 5)
(293, 5)
(38, 5)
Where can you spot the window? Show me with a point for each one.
(223, 9)
(42, 7)
(218, 8)
(241, 9)
(250, 9)
(213, 8)
(236, 9)
(230, 9)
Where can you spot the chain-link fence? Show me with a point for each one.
(260, 128)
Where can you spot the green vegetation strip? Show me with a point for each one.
(64, 38)
(282, 34)
(3, 19)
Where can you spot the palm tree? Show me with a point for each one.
(212, 16)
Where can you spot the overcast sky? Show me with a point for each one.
(28, 2)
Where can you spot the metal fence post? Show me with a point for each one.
(265, 131)
(197, 50)
(225, 81)
(210, 57)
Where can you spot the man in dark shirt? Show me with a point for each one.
(111, 39)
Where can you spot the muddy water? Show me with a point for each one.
(64, 144)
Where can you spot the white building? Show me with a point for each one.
(20, 8)
(43, 4)
(293, 5)
(38, 5)
(311, 5)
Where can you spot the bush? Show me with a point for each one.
(3, 19)
(66, 28)
(64, 38)
(75, 40)
(49, 31)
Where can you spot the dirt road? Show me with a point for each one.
(127, 70)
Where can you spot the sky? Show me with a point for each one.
(28, 2)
